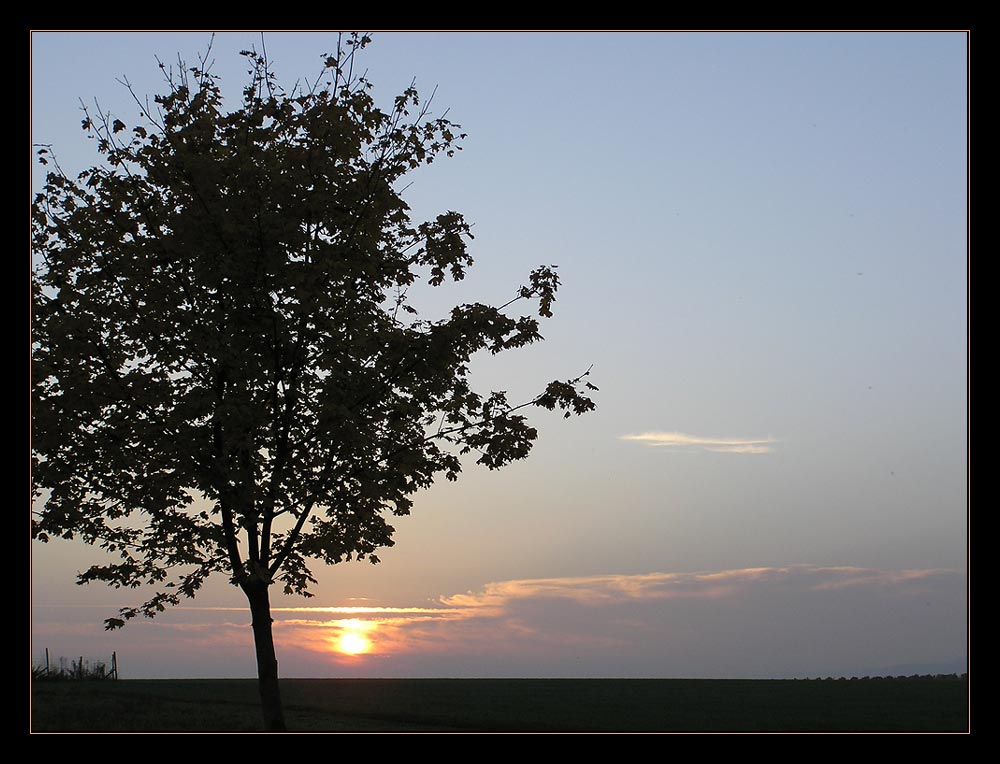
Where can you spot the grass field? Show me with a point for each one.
(508, 705)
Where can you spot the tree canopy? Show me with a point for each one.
(228, 373)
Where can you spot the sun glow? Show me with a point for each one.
(352, 639)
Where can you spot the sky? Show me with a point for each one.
(762, 241)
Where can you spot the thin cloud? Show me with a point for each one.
(497, 599)
(501, 600)
(760, 621)
(680, 440)
(742, 449)
(356, 610)
(617, 589)
(586, 590)
(681, 621)
(863, 577)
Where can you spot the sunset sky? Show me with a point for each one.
(762, 239)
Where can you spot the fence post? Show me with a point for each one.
(46, 661)
(114, 665)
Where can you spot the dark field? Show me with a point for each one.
(508, 705)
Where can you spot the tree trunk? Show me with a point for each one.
(267, 663)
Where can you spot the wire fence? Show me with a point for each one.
(80, 668)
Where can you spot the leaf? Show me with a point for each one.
(117, 126)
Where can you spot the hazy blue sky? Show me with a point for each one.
(763, 244)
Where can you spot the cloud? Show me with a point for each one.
(720, 445)
(756, 621)
(766, 621)
(619, 589)
(585, 590)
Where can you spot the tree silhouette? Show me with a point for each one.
(228, 374)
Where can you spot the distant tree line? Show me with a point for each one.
(942, 677)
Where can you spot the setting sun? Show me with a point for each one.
(352, 639)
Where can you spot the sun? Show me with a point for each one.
(352, 643)
(352, 639)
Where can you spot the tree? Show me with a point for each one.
(228, 373)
